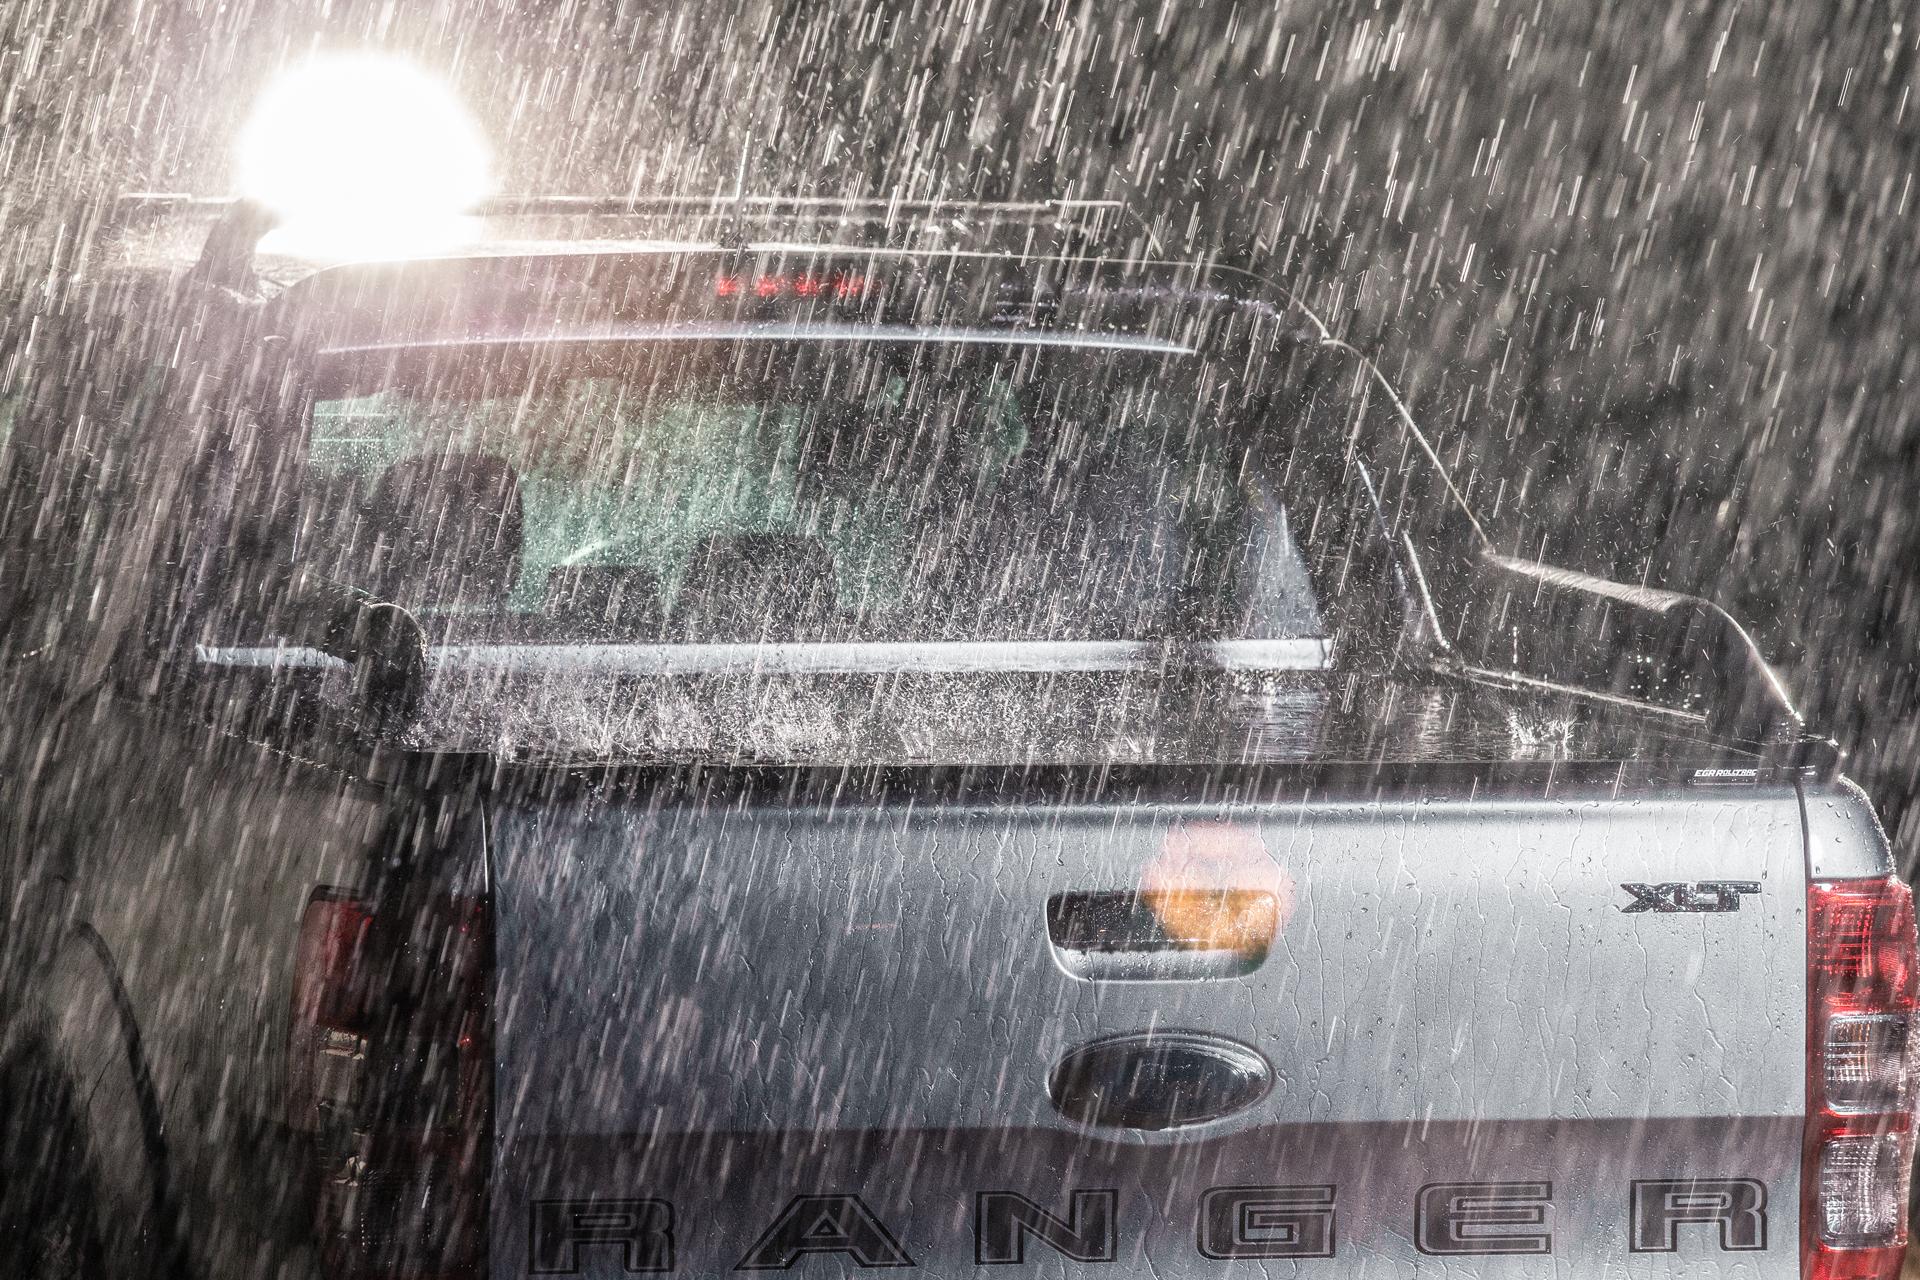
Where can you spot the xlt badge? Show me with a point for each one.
(1700, 896)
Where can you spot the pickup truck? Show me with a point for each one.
(697, 737)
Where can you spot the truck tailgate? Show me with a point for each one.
(827, 1039)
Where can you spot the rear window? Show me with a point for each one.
(780, 492)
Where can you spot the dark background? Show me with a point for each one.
(1645, 267)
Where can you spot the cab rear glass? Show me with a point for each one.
(866, 487)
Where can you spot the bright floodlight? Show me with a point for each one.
(363, 155)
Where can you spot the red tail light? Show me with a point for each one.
(1862, 961)
(389, 1069)
(326, 1045)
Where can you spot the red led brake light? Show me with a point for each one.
(797, 285)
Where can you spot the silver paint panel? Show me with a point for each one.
(1456, 994)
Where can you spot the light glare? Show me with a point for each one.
(363, 155)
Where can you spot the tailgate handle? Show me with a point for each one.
(1158, 935)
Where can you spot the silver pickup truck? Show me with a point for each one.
(698, 737)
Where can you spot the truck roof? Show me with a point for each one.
(239, 245)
